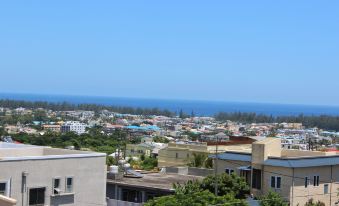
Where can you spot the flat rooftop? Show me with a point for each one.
(16, 152)
(154, 181)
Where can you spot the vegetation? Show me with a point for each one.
(272, 199)
(312, 203)
(201, 193)
(161, 139)
(322, 121)
(96, 142)
(65, 106)
(144, 163)
(200, 160)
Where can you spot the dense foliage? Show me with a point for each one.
(95, 142)
(227, 184)
(272, 199)
(65, 106)
(202, 193)
(200, 160)
(322, 121)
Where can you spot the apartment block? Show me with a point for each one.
(74, 126)
(296, 175)
(33, 175)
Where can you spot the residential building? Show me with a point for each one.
(52, 128)
(180, 153)
(74, 126)
(34, 175)
(296, 175)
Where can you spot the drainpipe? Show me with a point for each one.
(331, 184)
(23, 186)
(292, 186)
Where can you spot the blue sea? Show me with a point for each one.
(200, 108)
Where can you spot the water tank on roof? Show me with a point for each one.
(127, 165)
(114, 169)
(121, 162)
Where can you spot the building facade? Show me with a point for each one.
(297, 176)
(74, 126)
(34, 176)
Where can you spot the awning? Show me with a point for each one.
(245, 168)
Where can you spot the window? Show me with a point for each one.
(229, 171)
(69, 184)
(325, 188)
(37, 197)
(56, 186)
(3, 186)
(306, 182)
(256, 180)
(275, 182)
(176, 155)
(188, 156)
(316, 180)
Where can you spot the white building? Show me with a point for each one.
(73, 126)
(34, 175)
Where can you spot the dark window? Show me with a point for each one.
(229, 171)
(278, 182)
(316, 180)
(37, 196)
(56, 186)
(176, 155)
(273, 182)
(256, 180)
(3, 186)
(69, 184)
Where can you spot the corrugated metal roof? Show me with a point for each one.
(304, 162)
(234, 156)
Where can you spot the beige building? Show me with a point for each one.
(33, 175)
(297, 175)
(180, 153)
(52, 128)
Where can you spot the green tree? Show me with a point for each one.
(272, 199)
(198, 160)
(227, 184)
(312, 203)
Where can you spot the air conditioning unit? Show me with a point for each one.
(57, 191)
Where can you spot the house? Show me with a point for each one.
(295, 174)
(180, 153)
(51, 128)
(34, 175)
(149, 149)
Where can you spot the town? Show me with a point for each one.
(145, 154)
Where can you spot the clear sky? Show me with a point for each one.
(252, 51)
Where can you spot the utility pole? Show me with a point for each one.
(216, 168)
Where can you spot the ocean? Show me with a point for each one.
(200, 108)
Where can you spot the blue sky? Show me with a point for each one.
(251, 51)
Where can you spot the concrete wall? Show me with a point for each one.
(231, 164)
(19, 152)
(6, 201)
(263, 149)
(203, 172)
(112, 202)
(89, 179)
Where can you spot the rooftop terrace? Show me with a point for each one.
(12, 152)
(154, 180)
